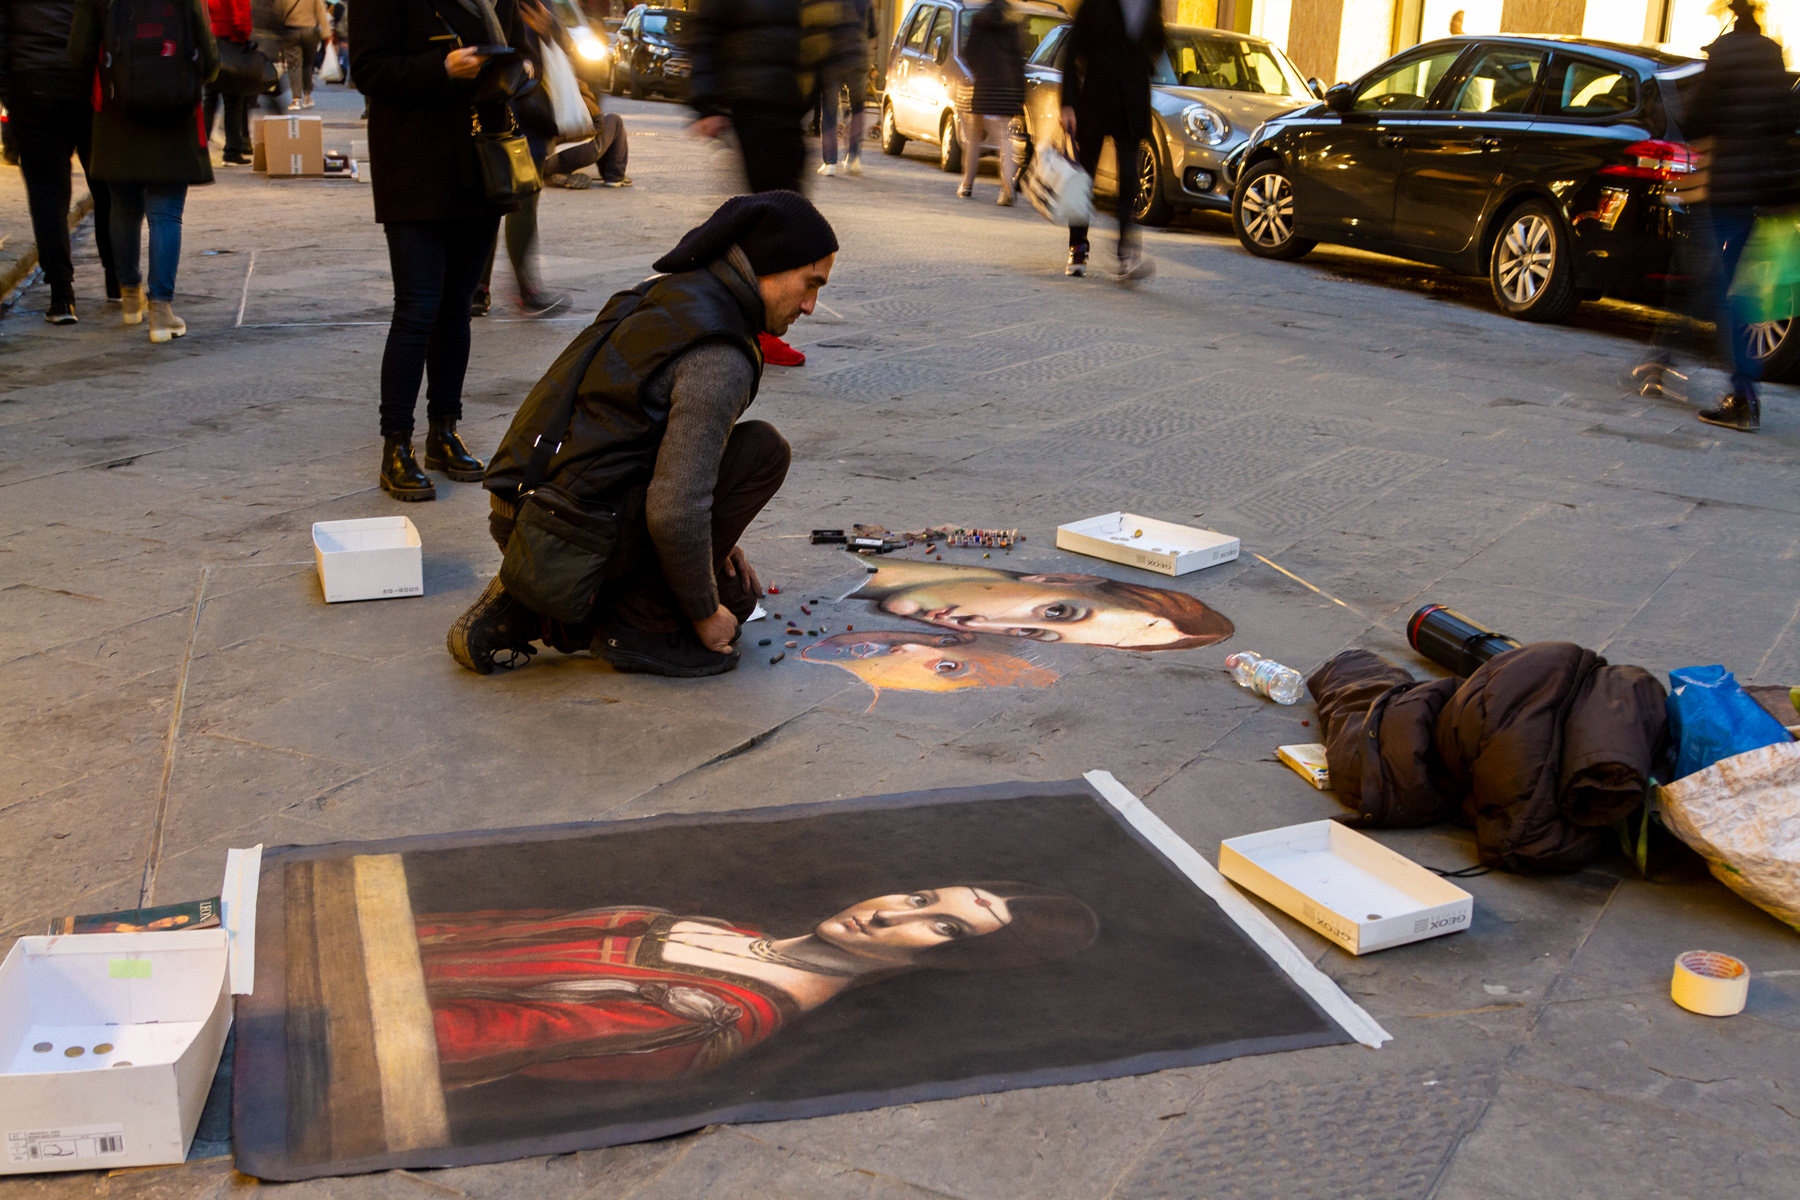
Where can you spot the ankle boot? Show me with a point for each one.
(400, 474)
(132, 305)
(445, 451)
(164, 324)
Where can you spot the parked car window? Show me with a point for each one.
(662, 25)
(1046, 52)
(1228, 64)
(1033, 27)
(1591, 89)
(1501, 81)
(1407, 86)
(940, 28)
(920, 27)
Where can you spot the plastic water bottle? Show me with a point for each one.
(1266, 677)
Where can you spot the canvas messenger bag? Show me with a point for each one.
(560, 547)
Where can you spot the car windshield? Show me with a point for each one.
(662, 25)
(1228, 64)
(1034, 25)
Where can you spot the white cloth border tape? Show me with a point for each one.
(237, 900)
(1314, 982)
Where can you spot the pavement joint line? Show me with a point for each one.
(244, 295)
(102, 464)
(154, 854)
(1600, 647)
(1764, 661)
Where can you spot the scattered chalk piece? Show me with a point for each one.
(790, 645)
(778, 658)
(1306, 722)
(764, 642)
(774, 591)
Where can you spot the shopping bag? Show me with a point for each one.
(332, 71)
(1767, 284)
(572, 119)
(1711, 717)
(1057, 186)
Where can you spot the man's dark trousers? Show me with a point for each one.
(773, 146)
(47, 131)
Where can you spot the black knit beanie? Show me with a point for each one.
(777, 230)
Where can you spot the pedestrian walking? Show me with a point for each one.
(427, 69)
(148, 147)
(230, 23)
(1109, 56)
(48, 103)
(304, 26)
(844, 88)
(749, 77)
(269, 30)
(996, 58)
(653, 452)
(1745, 105)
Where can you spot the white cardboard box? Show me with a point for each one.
(1163, 546)
(375, 558)
(145, 1013)
(1346, 886)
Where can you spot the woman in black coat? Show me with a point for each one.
(1108, 59)
(420, 64)
(996, 58)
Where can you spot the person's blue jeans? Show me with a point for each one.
(161, 204)
(437, 267)
(1724, 231)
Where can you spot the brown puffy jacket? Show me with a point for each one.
(1540, 750)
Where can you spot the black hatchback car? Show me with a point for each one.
(1542, 162)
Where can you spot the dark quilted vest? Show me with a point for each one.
(612, 442)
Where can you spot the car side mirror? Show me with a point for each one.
(1340, 98)
(1316, 86)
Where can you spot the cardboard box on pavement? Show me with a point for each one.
(108, 1045)
(293, 146)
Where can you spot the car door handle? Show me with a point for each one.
(1488, 143)
(1390, 140)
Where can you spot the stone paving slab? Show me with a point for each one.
(1372, 427)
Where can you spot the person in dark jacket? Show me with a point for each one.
(1745, 105)
(147, 164)
(1539, 751)
(656, 439)
(845, 79)
(996, 58)
(231, 23)
(1108, 58)
(749, 77)
(50, 107)
(422, 66)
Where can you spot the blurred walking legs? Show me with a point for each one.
(46, 134)
(773, 146)
(975, 127)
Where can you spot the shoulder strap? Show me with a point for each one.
(557, 423)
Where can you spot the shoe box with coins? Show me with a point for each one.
(108, 1044)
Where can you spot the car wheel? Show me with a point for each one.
(637, 85)
(950, 147)
(1262, 212)
(1530, 271)
(1776, 345)
(892, 143)
(1152, 207)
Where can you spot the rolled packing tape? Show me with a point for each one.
(1711, 984)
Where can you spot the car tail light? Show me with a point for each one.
(1654, 159)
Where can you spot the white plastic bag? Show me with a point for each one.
(1058, 187)
(572, 119)
(1743, 816)
(332, 71)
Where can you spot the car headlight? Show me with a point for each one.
(1205, 124)
(589, 47)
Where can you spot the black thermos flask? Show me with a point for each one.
(1454, 642)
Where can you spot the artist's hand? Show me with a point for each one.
(464, 62)
(710, 127)
(738, 567)
(1068, 121)
(716, 631)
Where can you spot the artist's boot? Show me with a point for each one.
(679, 654)
(445, 451)
(496, 631)
(400, 474)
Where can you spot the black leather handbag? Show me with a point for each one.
(560, 549)
(243, 70)
(508, 172)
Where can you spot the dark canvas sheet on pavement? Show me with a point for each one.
(354, 1052)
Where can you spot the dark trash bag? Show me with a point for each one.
(1711, 717)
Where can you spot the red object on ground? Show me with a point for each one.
(778, 353)
(774, 591)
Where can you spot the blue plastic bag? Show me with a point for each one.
(1711, 717)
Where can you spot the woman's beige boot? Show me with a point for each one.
(164, 324)
(131, 304)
